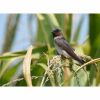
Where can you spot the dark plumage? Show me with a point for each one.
(63, 47)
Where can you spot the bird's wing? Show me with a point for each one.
(64, 45)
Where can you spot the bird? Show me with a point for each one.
(63, 47)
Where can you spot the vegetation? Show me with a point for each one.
(40, 65)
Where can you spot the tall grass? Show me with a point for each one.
(40, 65)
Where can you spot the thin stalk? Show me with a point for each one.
(90, 62)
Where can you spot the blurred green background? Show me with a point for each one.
(19, 31)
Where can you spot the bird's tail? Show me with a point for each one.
(80, 60)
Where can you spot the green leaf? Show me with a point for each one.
(12, 24)
(94, 36)
(94, 33)
(53, 20)
(22, 53)
(10, 73)
(65, 23)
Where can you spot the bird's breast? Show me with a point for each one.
(61, 51)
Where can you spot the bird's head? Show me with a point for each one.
(56, 32)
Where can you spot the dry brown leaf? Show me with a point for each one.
(26, 66)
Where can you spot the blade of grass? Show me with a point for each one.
(26, 66)
(11, 28)
(11, 55)
(90, 62)
(10, 73)
(6, 66)
(67, 26)
(44, 30)
(94, 33)
(53, 21)
(94, 37)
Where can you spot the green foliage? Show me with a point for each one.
(47, 69)
(11, 28)
(94, 34)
